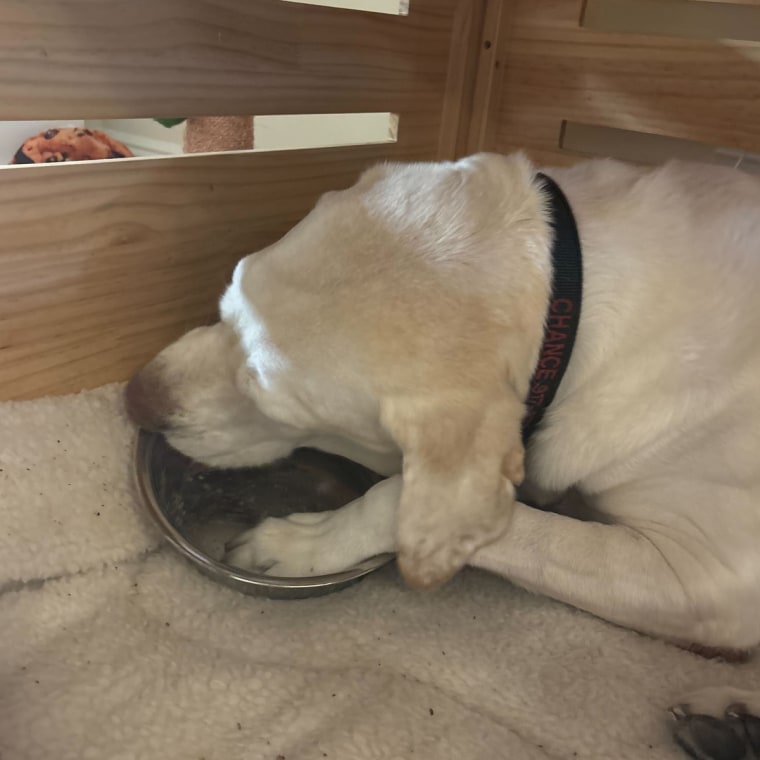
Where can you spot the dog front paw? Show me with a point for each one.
(300, 545)
(434, 546)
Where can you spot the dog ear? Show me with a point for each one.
(462, 454)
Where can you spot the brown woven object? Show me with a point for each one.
(212, 134)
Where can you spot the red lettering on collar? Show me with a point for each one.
(561, 306)
(555, 337)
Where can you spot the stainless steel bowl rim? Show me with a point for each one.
(226, 573)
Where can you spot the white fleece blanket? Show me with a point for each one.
(113, 648)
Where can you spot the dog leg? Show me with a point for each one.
(317, 543)
(659, 578)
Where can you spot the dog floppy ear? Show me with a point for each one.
(463, 454)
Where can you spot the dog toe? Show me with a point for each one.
(298, 545)
(243, 552)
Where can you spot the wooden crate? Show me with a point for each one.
(609, 68)
(104, 263)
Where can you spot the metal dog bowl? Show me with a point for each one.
(199, 509)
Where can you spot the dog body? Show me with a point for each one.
(400, 324)
(657, 420)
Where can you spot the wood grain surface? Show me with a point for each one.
(701, 90)
(102, 264)
(677, 18)
(80, 59)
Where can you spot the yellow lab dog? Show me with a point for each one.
(404, 324)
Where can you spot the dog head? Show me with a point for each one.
(404, 315)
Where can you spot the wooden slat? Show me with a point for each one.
(639, 147)
(679, 18)
(488, 76)
(460, 106)
(395, 7)
(556, 71)
(729, 2)
(66, 59)
(104, 263)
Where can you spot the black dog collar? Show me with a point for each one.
(564, 310)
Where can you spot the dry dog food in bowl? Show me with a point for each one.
(199, 509)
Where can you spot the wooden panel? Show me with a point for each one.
(680, 18)
(103, 263)
(66, 59)
(464, 54)
(729, 2)
(488, 76)
(555, 71)
(395, 7)
(639, 147)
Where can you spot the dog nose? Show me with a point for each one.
(145, 400)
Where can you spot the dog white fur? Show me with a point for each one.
(401, 322)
